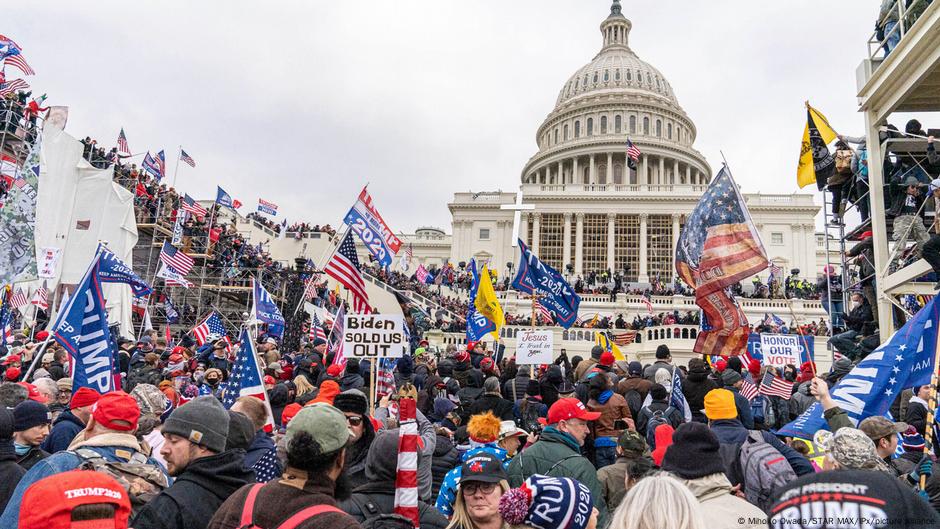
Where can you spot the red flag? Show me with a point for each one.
(236, 204)
(214, 234)
(141, 191)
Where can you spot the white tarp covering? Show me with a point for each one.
(80, 206)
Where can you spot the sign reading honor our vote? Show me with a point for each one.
(534, 347)
(374, 336)
(780, 350)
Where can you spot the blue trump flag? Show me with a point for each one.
(223, 199)
(677, 397)
(266, 310)
(535, 277)
(82, 329)
(904, 361)
(477, 324)
(113, 270)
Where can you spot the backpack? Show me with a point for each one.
(375, 519)
(758, 466)
(758, 406)
(295, 519)
(656, 419)
(529, 417)
(634, 402)
(142, 480)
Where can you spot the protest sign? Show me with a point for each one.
(534, 347)
(805, 346)
(374, 336)
(780, 350)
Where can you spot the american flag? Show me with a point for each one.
(191, 206)
(41, 297)
(209, 326)
(310, 288)
(774, 386)
(139, 304)
(624, 338)
(336, 337)
(544, 313)
(645, 299)
(775, 273)
(18, 62)
(633, 151)
(122, 143)
(316, 329)
(344, 267)
(385, 377)
(155, 165)
(246, 378)
(172, 277)
(176, 259)
(748, 390)
(718, 247)
(18, 299)
(187, 159)
(12, 86)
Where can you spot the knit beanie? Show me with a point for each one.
(405, 366)
(912, 441)
(735, 364)
(241, 431)
(442, 407)
(596, 352)
(662, 352)
(351, 401)
(203, 421)
(635, 369)
(352, 366)
(30, 413)
(694, 452)
(533, 389)
(658, 392)
(548, 503)
(719, 404)
(730, 377)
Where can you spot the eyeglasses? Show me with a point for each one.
(471, 488)
(354, 420)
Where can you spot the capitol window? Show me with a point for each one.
(566, 132)
(776, 238)
(603, 124)
(590, 126)
(668, 132)
(617, 124)
(577, 129)
(577, 83)
(646, 125)
(659, 128)
(632, 124)
(484, 234)
(556, 135)
(617, 74)
(629, 75)
(595, 77)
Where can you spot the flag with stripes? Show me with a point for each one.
(748, 390)
(246, 378)
(385, 377)
(336, 337)
(122, 143)
(172, 278)
(209, 326)
(176, 259)
(776, 272)
(139, 303)
(633, 151)
(18, 299)
(10, 87)
(647, 302)
(187, 159)
(604, 340)
(155, 165)
(544, 314)
(191, 206)
(18, 62)
(406, 479)
(718, 247)
(267, 207)
(774, 386)
(343, 266)
(316, 329)
(11, 53)
(624, 338)
(41, 297)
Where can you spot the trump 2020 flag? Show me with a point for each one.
(718, 247)
(82, 329)
(113, 270)
(266, 310)
(364, 220)
(904, 361)
(223, 199)
(477, 324)
(535, 277)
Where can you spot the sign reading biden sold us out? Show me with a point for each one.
(374, 336)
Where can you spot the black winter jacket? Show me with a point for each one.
(445, 458)
(372, 499)
(500, 407)
(10, 472)
(694, 387)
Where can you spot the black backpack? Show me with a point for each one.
(375, 519)
(655, 419)
(528, 417)
(634, 402)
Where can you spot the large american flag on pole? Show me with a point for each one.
(718, 247)
(122, 143)
(176, 259)
(18, 299)
(633, 151)
(246, 378)
(189, 205)
(343, 266)
(12, 86)
(41, 297)
(187, 159)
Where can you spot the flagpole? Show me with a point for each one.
(319, 266)
(931, 409)
(179, 154)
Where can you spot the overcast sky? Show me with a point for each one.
(302, 103)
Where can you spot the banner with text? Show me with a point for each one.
(364, 220)
(772, 349)
(534, 347)
(374, 336)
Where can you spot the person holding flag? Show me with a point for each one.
(486, 302)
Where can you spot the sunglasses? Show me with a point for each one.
(472, 487)
(354, 420)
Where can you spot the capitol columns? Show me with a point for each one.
(560, 179)
(662, 171)
(644, 275)
(611, 240)
(579, 243)
(592, 178)
(566, 243)
(644, 179)
(536, 231)
(575, 175)
(609, 177)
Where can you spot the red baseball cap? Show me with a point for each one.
(268, 379)
(12, 358)
(334, 370)
(84, 396)
(569, 408)
(41, 336)
(117, 406)
(34, 393)
(607, 359)
(50, 501)
(12, 373)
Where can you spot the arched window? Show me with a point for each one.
(617, 123)
(603, 124)
(649, 79)
(556, 135)
(606, 75)
(590, 126)
(602, 173)
(618, 174)
(595, 77)
(629, 75)
(577, 129)
(669, 130)
(646, 125)
(585, 81)
(617, 75)
(577, 83)
(659, 128)
(632, 124)
(566, 132)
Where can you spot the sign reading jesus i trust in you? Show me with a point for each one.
(374, 336)
(534, 347)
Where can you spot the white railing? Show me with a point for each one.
(904, 17)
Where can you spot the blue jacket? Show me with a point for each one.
(64, 429)
(731, 431)
(65, 461)
(744, 408)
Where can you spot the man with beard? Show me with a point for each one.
(206, 475)
(316, 442)
(354, 406)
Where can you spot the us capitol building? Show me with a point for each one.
(591, 211)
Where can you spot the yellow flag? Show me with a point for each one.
(486, 302)
(604, 341)
(814, 153)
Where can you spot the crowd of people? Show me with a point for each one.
(500, 444)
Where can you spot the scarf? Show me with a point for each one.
(605, 396)
(406, 481)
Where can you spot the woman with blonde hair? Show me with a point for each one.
(482, 483)
(658, 502)
(304, 387)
